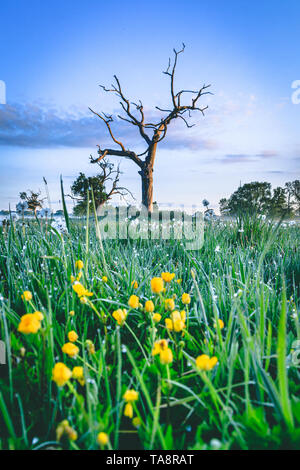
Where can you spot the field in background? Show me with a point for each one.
(247, 276)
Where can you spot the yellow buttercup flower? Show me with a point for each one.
(179, 281)
(65, 428)
(149, 306)
(70, 349)
(133, 301)
(79, 264)
(169, 324)
(128, 410)
(104, 278)
(120, 316)
(159, 346)
(27, 295)
(72, 336)
(186, 299)
(30, 323)
(80, 290)
(102, 438)
(131, 395)
(61, 374)
(72, 313)
(156, 317)
(38, 315)
(221, 324)
(77, 373)
(169, 304)
(175, 322)
(183, 315)
(157, 285)
(167, 277)
(204, 362)
(134, 284)
(165, 353)
(166, 356)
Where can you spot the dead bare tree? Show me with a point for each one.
(145, 160)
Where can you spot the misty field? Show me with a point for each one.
(211, 362)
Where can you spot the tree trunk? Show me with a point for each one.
(147, 177)
(147, 188)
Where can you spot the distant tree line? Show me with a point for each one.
(258, 197)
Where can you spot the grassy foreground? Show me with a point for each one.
(246, 398)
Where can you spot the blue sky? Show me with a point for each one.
(54, 54)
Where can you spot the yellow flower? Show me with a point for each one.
(70, 349)
(149, 306)
(169, 304)
(159, 346)
(104, 278)
(72, 434)
(102, 438)
(183, 315)
(131, 395)
(133, 301)
(165, 353)
(156, 317)
(175, 322)
(72, 336)
(169, 324)
(30, 323)
(72, 313)
(60, 430)
(120, 316)
(128, 410)
(81, 290)
(79, 264)
(157, 285)
(221, 324)
(61, 374)
(38, 315)
(65, 428)
(204, 362)
(136, 422)
(27, 295)
(186, 299)
(179, 281)
(134, 284)
(167, 277)
(77, 374)
(166, 356)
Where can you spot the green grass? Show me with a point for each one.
(250, 400)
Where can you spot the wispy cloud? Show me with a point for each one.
(241, 157)
(34, 126)
(236, 158)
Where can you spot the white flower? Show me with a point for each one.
(217, 249)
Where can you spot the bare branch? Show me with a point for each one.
(108, 119)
